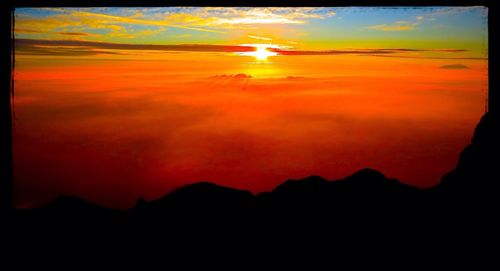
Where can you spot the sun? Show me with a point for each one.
(261, 52)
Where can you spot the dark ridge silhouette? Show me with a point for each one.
(365, 206)
(199, 198)
(371, 181)
(69, 209)
(309, 185)
(367, 194)
(69, 204)
(366, 184)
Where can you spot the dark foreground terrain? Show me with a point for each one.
(363, 211)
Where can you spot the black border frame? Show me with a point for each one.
(7, 60)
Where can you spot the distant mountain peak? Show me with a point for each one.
(312, 181)
(200, 195)
(367, 175)
(69, 204)
(207, 187)
(65, 200)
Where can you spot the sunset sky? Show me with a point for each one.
(112, 104)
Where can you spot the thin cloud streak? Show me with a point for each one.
(434, 57)
(402, 25)
(73, 34)
(26, 45)
(363, 51)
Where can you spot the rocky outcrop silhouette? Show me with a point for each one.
(478, 170)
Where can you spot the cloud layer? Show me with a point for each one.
(122, 23)
(77, 47)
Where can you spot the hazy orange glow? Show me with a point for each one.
(115, 104)
(153, 125)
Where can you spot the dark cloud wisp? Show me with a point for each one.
(34, 46)
(454, 67)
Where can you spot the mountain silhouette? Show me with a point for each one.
(198, 199)
(475, 176)
(68, 205)
(365, 183)
(363, 206)
(69, 209)
(309, 185)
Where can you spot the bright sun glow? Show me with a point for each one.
(261, 52)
